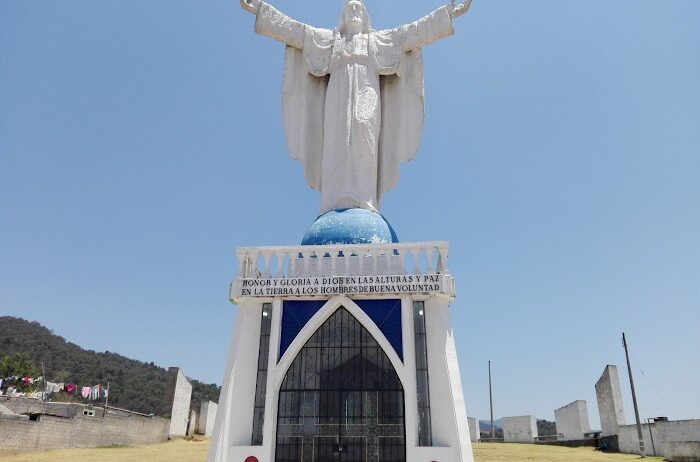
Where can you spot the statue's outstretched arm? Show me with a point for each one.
(274, 24)
(251, 6)
(457, 10)
(434, 26)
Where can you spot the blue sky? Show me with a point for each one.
(141, 142)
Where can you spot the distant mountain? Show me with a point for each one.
(134, 385)
(485, 425)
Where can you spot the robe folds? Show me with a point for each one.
(352, 108)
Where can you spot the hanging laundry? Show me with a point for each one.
(105, 392)
(95, 393)
(85, 392)
(70, 388)
(53, 387)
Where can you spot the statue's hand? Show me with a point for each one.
(252, 6)
(456, 10)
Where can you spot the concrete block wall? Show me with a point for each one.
(178, 397)
(663, 432)
(207, 417)
(681, 451)
(521, 429)
(572, 421)
(610, 405)
(192, 423)
(28, 406)
(52, 432)
(474, 432)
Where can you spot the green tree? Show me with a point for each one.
(18, 364)
(60, 376)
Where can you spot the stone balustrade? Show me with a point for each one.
(342, 260)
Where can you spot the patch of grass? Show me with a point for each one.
(113, 446)
(499, 452)
(174, 451)
(195, 450)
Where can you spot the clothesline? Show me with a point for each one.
(92, 393)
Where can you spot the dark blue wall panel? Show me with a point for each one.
(386, 314)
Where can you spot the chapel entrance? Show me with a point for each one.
(341, 400)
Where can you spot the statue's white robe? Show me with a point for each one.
(353, 109)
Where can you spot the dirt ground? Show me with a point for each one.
(196, 451)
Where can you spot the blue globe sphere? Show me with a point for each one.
(350, 226)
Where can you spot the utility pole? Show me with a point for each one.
(493, 430)
(43, 378)
(634, 400)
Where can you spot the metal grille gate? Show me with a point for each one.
(341, 400)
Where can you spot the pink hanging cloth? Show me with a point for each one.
(85, 392)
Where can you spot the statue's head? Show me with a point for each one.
(354, 19)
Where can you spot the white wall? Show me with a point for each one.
(181, 399)
(520, 429)
(572, 421)
(447, 406)
(234, 420)
(207, 417)
(609, 397)
(678, 430)
(474, 432)
(192, 423)
(681, 451)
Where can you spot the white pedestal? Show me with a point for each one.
(342, 276)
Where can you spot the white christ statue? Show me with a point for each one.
(352, 98)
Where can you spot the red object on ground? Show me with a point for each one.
(251, 459)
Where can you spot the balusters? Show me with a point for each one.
(280, 262)
(429, 259)
(253, 270)
(402, 261)
(442, 260)
(306, 261)
(316, 261)
(415, 251)
(242, 260)
(266, 264)
(386, 268)
(293, 259)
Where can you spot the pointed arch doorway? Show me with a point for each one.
(341, 399)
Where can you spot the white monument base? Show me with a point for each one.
(520, 429)
(572, 421)
(380, 314)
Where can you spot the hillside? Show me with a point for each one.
(134, 385)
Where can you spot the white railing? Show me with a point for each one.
(342, 260)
